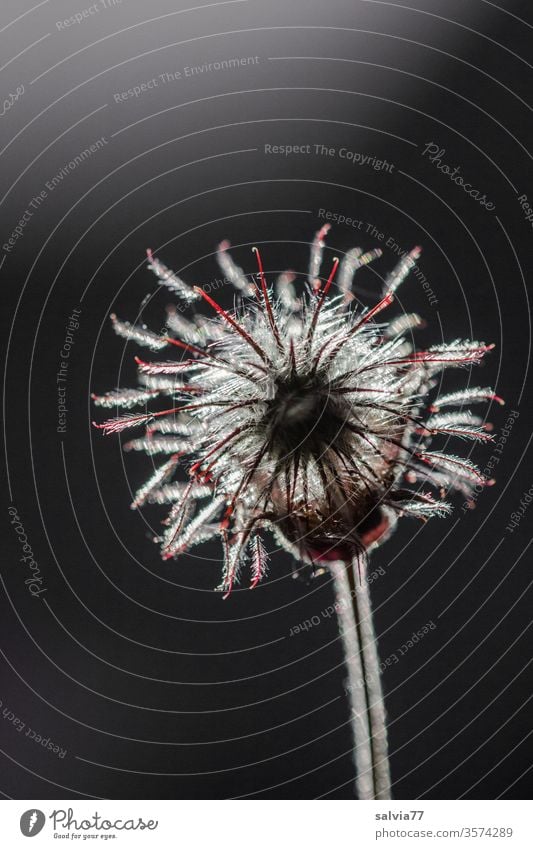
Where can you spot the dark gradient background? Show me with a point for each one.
(153, 685)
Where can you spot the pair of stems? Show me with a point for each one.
(367, 709)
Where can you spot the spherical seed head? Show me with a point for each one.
(297, 415)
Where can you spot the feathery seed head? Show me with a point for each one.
(296, 414)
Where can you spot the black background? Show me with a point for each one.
(155, 686)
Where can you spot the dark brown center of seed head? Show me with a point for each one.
(303, 416)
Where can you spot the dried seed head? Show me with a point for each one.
(299, 415)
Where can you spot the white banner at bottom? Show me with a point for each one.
(269, 824)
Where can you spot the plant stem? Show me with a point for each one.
(367, 709)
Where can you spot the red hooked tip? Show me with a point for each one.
(224, 245)
(498, 400)
(332, 273)
(323, 292)
(317, 284)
